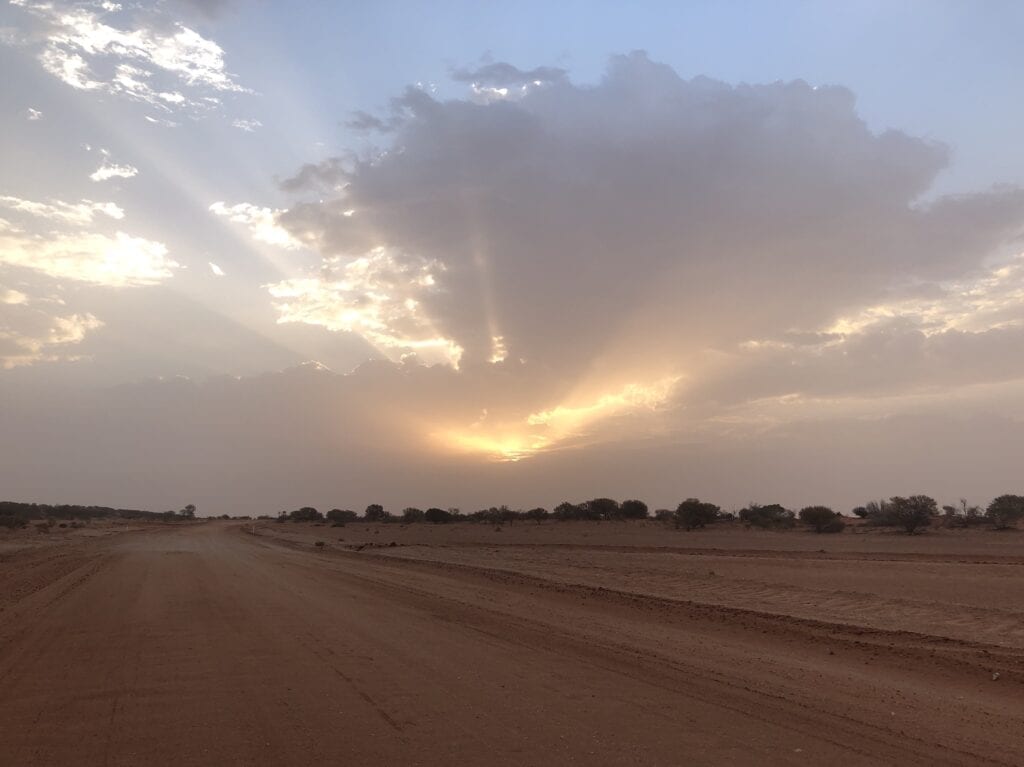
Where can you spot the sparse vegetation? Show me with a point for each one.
(411, 515)
(769, 517)
(964, 515)
(12, 521)
(879, 514)
(602, 508)
(914, 512)
(566, 510)
(538, 514)
(437, 516)
(822, 519)
(1005, 511)
(375, 513)
(339, 517)
(694, 514)
(633, 510)
(305, 514)
(12, 511)
(836, 525)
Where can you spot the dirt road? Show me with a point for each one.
(207, 645)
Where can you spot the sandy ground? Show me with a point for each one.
(225, 643)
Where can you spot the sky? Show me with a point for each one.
(255, 255)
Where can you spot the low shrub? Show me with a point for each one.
(770, 517)
(820, 518)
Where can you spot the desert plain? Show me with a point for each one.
(613, 643)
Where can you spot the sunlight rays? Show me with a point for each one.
(157, 159)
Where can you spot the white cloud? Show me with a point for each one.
(217, 271)
(109, 170)
(377, 296)
(261, 222)
(117, 260)
(29, 335)
(63, 247)
(498, 351)
(75, 213)
(8, 296)
(249, 126)
(161, 121)
(992, 299)
(167, 68)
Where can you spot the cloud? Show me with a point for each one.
(539, 431)
(249, 126)
(261, 222)
(329, 175)
(891, 359)
(161, 330)
(75, 213)
(117, 260)
(988, 298)
(308, 436)
(62, 247)
(364, 121)
(209, 9)
(646, 227)
(938, 337)
(499, 75)
(497, 81)
(377, 296)
(29, 334)
(217, 271)
(160, 121)
(630, 287)
(648, 197)
(76, 253)
(109, 170)
(12, 297)
(168, 66)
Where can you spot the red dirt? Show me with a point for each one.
(206, 644)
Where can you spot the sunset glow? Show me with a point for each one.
(548, 429)
(315, 257)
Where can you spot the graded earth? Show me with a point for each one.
(229, 643)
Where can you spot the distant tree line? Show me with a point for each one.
(916, 512)
(15, 515)
(912, 514)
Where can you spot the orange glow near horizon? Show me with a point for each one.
(544, 430)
